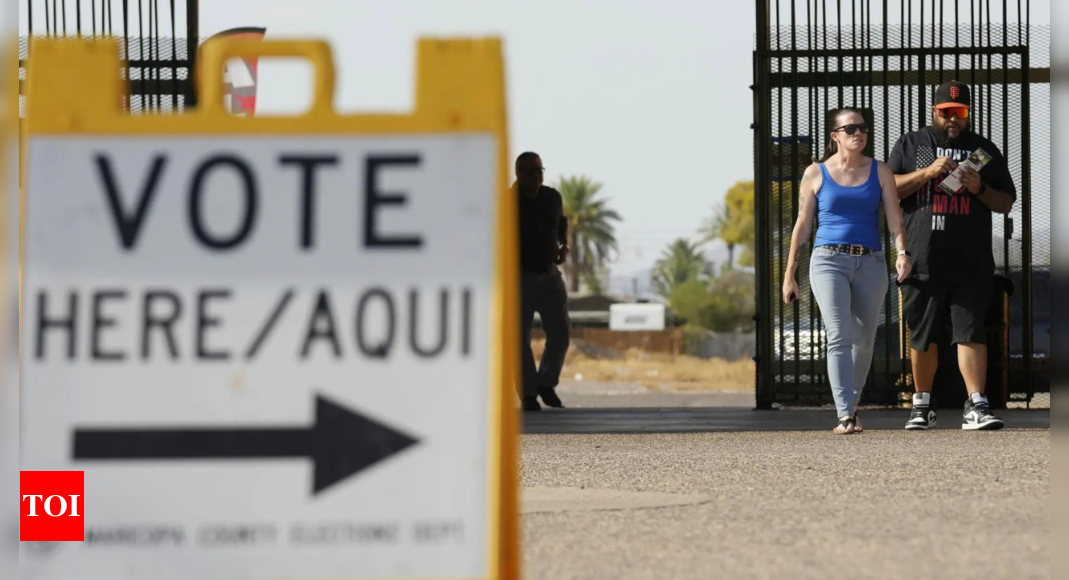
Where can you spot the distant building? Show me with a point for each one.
(593, 310)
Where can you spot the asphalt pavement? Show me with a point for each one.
(733, 493)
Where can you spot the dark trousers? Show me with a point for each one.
(546, 295)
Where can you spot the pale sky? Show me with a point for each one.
(650, 98)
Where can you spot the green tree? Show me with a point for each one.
(723, 303)
(689, 301)
(731, 303)
(733, 223)
(681, 262)
(591, 228)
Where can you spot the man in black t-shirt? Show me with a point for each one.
(951, 240)
(543, 247)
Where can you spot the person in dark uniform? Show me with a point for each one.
(543, 247)
(949, 233)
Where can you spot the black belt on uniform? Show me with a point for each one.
(851, 250)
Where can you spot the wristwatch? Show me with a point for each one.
(983, 189)
(906, 254)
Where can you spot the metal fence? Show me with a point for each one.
(813, 56)
(154, 36)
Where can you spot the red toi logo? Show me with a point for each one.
(955, 92)
(53, 506)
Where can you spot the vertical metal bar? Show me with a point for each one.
(839, 26)
(78, 15)
(942, 41)
(157, 54)
(957, 39)
(149, 71)
(819, 146)
(922, 84)
(903, 68)
(827, 73)
(853, 44)
(978, 91)
(93, 12)
(126, 47)
(777, 134)
(154, 28)
(48, 21)
(866, 61)
(972, 43)
(29, 33)
(64, 6)
(794, 178)
(1026, 213)
(905, 366)
(888, 305)
(909, 44)
(174, 60)
(150, 59)
(159, 57)
(193, 42)
(1026, 122)
(141, 57)
(814, 116)
(1006, 220)
(766, 395)
(989, 86)
(1020, 37)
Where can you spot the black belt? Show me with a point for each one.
(851, 250)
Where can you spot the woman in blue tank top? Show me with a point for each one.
(848, 269)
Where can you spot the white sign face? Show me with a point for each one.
(270, 356)
(636, 317)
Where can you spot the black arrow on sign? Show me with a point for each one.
(341, 444)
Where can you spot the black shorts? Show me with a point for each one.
(929, 307)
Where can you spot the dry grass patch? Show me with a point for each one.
(657, 372)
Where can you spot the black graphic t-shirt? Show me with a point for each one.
(949, 235)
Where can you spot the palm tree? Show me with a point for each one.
(733, 223)
(590, 228)
(680, 263)
(719, 227)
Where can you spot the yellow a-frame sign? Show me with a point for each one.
(277, 347)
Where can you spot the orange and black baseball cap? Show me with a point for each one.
(952, 95)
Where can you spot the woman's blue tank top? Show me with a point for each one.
(849, 215)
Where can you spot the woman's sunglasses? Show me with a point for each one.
(959, 112)
(854, 128)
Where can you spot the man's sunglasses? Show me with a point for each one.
(959, 112)
(854, 128)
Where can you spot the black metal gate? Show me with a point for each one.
(813, 56)
(158, 40)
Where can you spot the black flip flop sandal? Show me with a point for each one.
(849, 426)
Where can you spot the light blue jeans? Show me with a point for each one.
(850, 291)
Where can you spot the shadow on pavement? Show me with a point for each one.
(657, 420)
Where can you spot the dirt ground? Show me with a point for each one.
(657, 372)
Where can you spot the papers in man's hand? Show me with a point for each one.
(952, 184)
